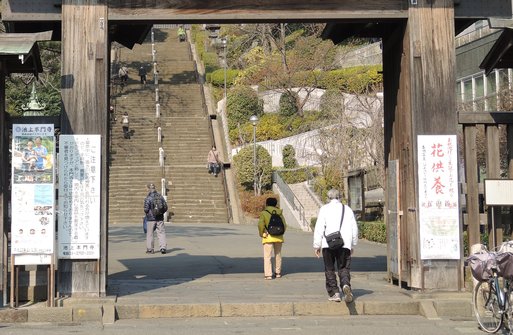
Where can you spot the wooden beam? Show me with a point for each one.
(493, 170)
(471, 166)
(218, 10)
(491, 118)
(4, 189)
(249, 10)
(85, 96)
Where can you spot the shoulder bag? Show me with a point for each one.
(335, 240)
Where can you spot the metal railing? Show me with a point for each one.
(292, 200)
(201, 81)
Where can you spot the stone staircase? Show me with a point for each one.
(194, 196)
(310, 205)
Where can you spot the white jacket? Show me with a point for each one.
(329, 220)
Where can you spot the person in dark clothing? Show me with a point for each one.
(142, 74)
(155, 222)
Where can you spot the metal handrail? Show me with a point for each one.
(201, 81)
(292, 200)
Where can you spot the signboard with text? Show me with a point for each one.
(33, 192)
(438, 197)
(79, 196)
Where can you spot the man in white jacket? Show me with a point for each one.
(328, 221)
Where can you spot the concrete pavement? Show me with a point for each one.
(217, 271)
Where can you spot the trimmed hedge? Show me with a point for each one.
(358, 79)
(216, 78)
(373, 231)
(298, 175)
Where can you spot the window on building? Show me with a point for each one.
(491, 92)
(459, 98)
(467, 91)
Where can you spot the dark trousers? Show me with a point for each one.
(342, 258)
(126, 133)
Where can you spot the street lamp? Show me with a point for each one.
(254, 120)
(224, 44)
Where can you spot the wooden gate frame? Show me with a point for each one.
(419, 79)
(472, 188)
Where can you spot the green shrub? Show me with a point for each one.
(313, 221)
(298, 175)
(289, 157)
(358, 79)
(242, 102)
(216, 78)
(331, 102)
(484, 240)
(246, 172)
(210, 61)
(288, 103)
(373, 231)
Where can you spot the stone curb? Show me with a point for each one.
(107, 313)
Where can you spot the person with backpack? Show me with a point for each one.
(271, 227)
(155, 206)
(336, 222)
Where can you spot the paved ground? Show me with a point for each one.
(210, 263)
(217, 271)
(347, 325)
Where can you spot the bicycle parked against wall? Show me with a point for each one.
(492, 299)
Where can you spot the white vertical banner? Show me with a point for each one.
(33, 193)
(438, 197)
(79, 196)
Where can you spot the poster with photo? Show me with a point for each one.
(438, 197)
(33, 190)
(79, 196)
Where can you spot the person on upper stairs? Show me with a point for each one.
(213, 161)
(182, 36)
(126, 124)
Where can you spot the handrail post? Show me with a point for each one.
(161, 157)
(157, 110)
(159, 134)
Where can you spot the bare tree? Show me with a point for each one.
(291, 60)
(352, 137)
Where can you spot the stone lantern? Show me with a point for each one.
(33, 107)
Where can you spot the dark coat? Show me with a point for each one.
(148, 205)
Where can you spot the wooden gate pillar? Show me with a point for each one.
(85, 98)
(4, 189)
(420, 99)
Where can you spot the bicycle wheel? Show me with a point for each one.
(486, 307)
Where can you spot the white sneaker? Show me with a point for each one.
(335, 297)
(348, 293)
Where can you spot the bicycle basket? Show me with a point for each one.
(505, 265)
(481, 265)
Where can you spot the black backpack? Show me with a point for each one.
(275, 225)
(159, 205)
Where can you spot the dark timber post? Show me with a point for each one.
(420, 100)
(85, 96)
(4, 157)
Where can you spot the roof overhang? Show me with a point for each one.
(338, 32)
(500, 55)
(20, 53)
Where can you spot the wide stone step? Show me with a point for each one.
(194, 195)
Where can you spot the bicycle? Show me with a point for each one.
(492, 303)
(492, 299)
